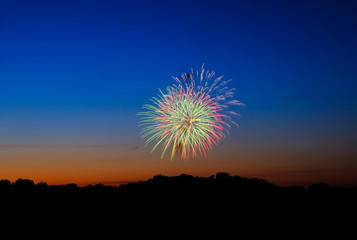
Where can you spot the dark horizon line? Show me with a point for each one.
(118, 183)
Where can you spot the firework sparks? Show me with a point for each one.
(191, 117)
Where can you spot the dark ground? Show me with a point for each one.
(183, 201)
(185, 189)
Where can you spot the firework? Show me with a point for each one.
(191, 116)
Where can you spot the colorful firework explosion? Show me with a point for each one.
(190, 117)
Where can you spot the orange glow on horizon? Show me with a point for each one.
(110, 166)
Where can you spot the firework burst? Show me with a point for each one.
(191, 116)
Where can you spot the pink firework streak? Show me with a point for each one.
(189, 118)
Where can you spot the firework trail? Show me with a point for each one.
(191, 117)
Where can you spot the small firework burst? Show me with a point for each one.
(191, 117)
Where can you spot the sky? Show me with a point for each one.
(74, 74)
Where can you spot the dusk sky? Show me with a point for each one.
(74, 74)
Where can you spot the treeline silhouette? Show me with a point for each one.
(221, 184)
(213, 199)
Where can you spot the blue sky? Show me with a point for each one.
(79, 71)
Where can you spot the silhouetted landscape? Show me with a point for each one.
(162, 199)
(220, 186)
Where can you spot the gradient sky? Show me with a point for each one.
(73, 75)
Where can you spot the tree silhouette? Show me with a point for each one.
(220, 189)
